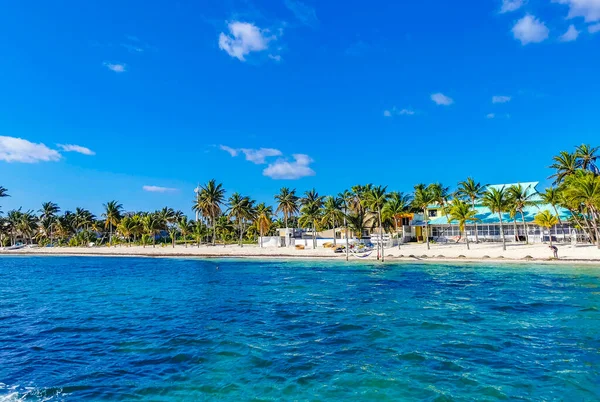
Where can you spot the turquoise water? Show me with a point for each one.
(182, 329)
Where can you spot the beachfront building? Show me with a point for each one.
(488, 223)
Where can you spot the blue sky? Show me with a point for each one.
(99, 99)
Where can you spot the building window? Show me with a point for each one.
(405, 221)
(432, 213)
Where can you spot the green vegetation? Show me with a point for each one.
(361, 210)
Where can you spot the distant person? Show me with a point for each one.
(555, 251)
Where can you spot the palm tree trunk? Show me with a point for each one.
(476, 231)
(560, 222)
(516, 229)
(286, 229)
(381, 235)
(502, 232)
(214, 227)
(241, 232)
(550, 236)
(425, 228)
(526, 228)
(334, 242)
(346, 230)
(467, 237)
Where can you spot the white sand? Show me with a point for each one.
(438, 252)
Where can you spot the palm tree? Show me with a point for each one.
(547, 220)
(48, 214)
(287, 204)
(422, 199)
(112, 215)
(565, 164)
(153, 224)
(311, 212)
(396, 207)
(584, 189)
(241, 209)
(185, 227)
(199, 231)
(376, 199)
(462, 212)
(497, 201)
(440, 196)
(263, 220)
(586, 156)
(521, 197)
(209, 200)
(332, 213)
(552, 196)
(126, 228)
(3, 192)
(472, 190)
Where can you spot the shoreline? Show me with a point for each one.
(416, 254)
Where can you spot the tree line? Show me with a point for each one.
(360, 209)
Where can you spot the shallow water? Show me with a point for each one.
(183, 329)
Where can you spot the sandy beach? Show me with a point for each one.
(410, 252)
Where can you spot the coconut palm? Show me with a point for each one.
(586, 156)
(552, 196)
(473, 191)
(547, 220)
(583, 188)
(397, 206)
(376, 199)
(522, 197)
(332, 213)
(185, 227)
(565, 164)
(153, 224)
(3, 192)
(112, 215)
(241, 209)
(287, 204)
(126, 228)
(209, 201)
(462, 212)
(498, 202)
(48, 215)
(440, 195)
(421, 201)
(310, 212)
(263, 220)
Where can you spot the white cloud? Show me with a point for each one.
(158, 189)
(441, 99)
(231, 151)
(588, 9)
(501, 99)
(398, 112)
(76, 148)
(275, 57)
(530, 30)
(14, 149)
(594, 28)
(511, 5)
(304, 13)
(571, 34)
(116, 67)
(490, 116)
(243, 39)
(285, 170)
(258, 156)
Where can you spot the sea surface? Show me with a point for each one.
(88, 329)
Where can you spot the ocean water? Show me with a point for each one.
(76, 328)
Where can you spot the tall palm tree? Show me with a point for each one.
(565, 164)
(462, 212)
(473, 191)
(552, 196)
(310, 212)
(153, 224)
(112, 215)
(209, 200)
(126, 228)
(522, 197)
(241, 209)
(421, 201)
(185, 227)
(263, 220)
(287, 204)
(440, 195)
(376, 199)
(3, 192)
(397, 206)
(48, 214)
(584, 189)
(497, 201)
(332, 213)
(587, 157)
(547, 220)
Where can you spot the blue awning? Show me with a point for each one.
(417, 223)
